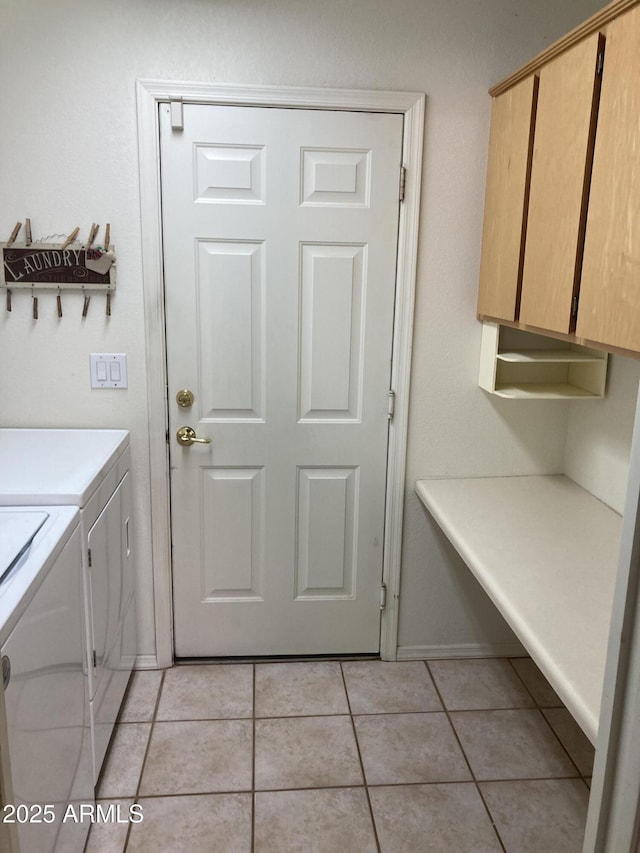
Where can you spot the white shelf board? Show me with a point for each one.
(546, 552)
(531, 370)
(525, 356)
(541, 391)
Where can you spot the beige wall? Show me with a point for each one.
(68, 156)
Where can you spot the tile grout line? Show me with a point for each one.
(136, 796)
(313, 716)
(364, 775)
(521, 679)
(544, 716)
(564, 748)
(318, 715)
(459, 742)
(526, 686)
(339, 787)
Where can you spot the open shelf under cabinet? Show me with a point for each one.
(523, 365)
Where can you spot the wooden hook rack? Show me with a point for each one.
(58, 267)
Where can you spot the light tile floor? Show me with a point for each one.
(464, 756)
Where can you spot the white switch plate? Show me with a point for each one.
(108, 369)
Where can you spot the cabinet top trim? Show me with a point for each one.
(591, 25)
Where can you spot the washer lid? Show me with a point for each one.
(17, 530)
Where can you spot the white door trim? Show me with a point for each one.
(150, 93)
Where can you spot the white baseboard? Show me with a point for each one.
(146, 662)
(467, 650)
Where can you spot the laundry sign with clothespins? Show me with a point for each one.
(42, 266)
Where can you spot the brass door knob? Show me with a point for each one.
(185, 398)
(186, 436)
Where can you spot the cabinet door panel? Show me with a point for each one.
(609, 309)
(565, 126)
(505, 207)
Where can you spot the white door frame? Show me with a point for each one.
(150, 93)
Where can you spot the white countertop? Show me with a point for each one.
(55, 466)
(546, 552)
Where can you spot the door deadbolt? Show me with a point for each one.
(186, 436)
(185, 398)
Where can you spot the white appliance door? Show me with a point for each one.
(280, 243)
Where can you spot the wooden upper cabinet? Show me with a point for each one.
(560, 171)
(609, 310)
(510, 142)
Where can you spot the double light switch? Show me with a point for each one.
(108, 370)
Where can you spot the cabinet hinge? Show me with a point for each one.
(89, 557)
(392, 405)
(600, 62)
(403, 181)
(574, 306)
(383, 596)
(176, 113)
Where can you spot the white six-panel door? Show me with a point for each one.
(280, 236)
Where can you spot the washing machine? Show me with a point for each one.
(46, 768)
(87, 469)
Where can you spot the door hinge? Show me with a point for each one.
(89, 557)
(176, 113)
(574, 306)
(392, 405)
(403, 181)
(600, 62)
(95, 659)
(383, 596)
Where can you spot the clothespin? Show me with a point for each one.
(108, 309)
(59, 303)
(14, 233)
(85, 307)
(92, 234)
(70, 238)
(27, 226)
(35, 303)
(107, 237)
